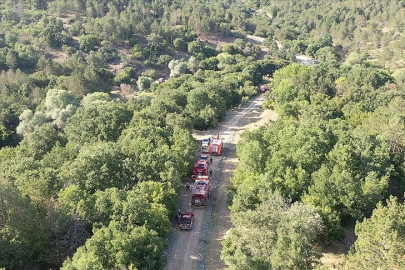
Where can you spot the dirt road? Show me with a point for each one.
(200, 248)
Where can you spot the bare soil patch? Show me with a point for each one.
(57, 55)
(218, 41)
(333, 253)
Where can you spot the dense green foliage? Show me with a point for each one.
(380, 239)
(103, 182)
(273, 235)
(77, 163)
(84, 160)
(92, 35)
(326, 150)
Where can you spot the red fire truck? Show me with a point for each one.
(201, 167)
(186, 221)
(200, 191)
(216, 145)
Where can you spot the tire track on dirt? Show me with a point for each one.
(200, 248)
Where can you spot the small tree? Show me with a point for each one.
(177, 68)
(11, 59)
(87, 42)
(54, 33)
(180, 44)
(380, 242)
(144, 82)
(285, 231)
(231, 49)
(30, 121)
(209, 63)
(193, 64)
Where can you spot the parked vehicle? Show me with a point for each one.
(186, 221)
(160, 80)
(216, 145)
(264, 88)
(201, 167)
(205, 145)
(200, 191)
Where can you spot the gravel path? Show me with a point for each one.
(200, 248)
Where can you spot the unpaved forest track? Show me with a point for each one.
(200, 248)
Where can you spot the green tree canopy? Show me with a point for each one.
(99, 166)
(98, 123)
(275, 235)
(380, 239)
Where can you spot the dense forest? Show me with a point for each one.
(90, 181)
(335, 153)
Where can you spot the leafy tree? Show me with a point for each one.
(22, 230)
(124, 76)
(271, 44)
(386, 121)
(177, 68)
(4, 136)
(380, 239)
(11, 59)
(180, 43)
(193, 64)
(96, 99)
(144, 82)
(98, 123)
(209, 63)
(354, 178)
(318, 43)
(40, 142)
(298, 150)
(254, 73)
(286, 232)
(29, 121)
(151, 145)
(87, 42)
(119, 246)
(231, 49)
(196, 48)
(326, 54)
(28, 55)
(225, 60)
(54, 33)
(156, 42)
(60, 105)
(356, 58)
(210, 103)
(97, 167)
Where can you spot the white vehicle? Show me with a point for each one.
(205, 145)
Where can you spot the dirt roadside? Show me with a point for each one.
(201, 247)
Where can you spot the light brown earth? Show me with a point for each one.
(201, 247)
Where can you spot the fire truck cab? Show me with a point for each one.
(200, 191)
(201, 167)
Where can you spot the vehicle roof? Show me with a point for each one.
(200, 187)
(216, 141)
(187, 214)
(202, 178)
